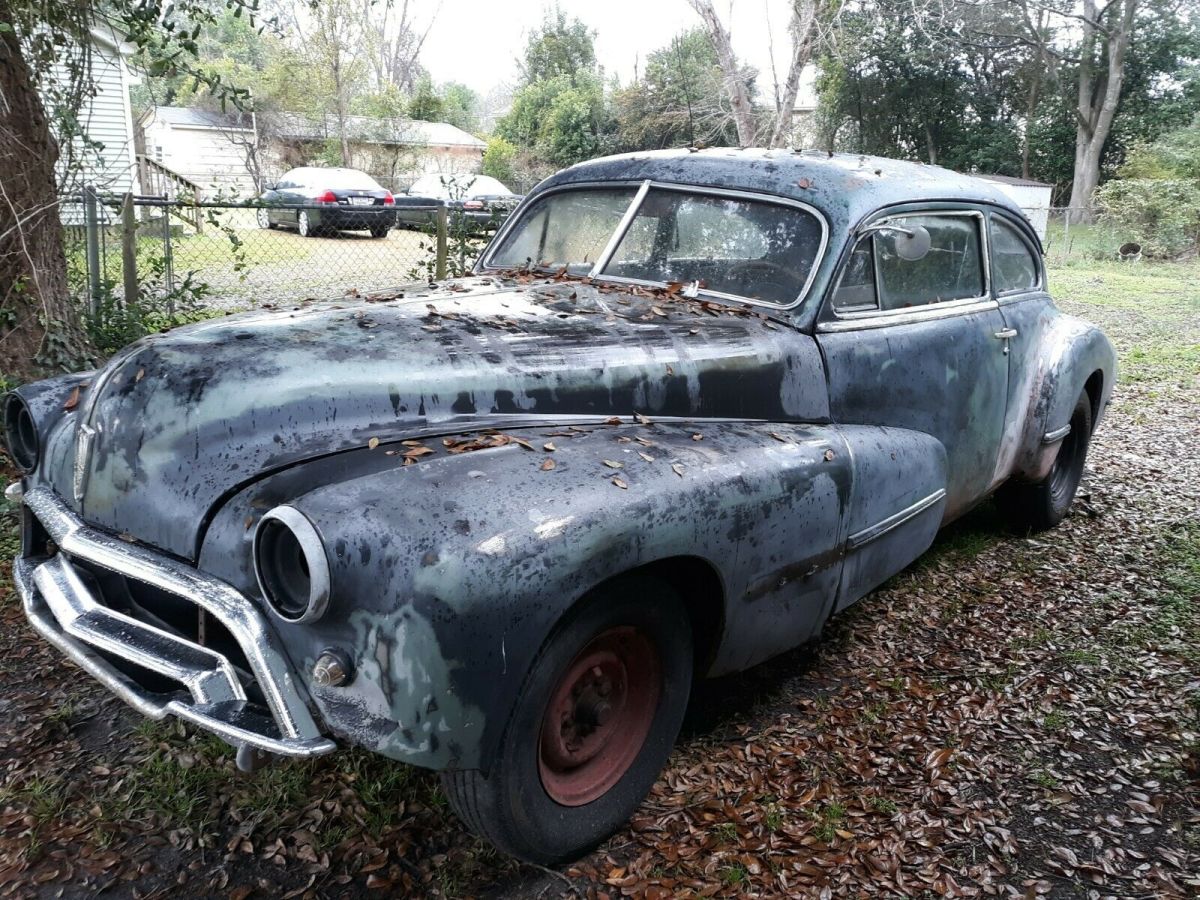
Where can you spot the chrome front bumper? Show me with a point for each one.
(64, 610)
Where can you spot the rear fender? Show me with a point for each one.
(1071, 351)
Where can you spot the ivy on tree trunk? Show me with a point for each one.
(39, 325)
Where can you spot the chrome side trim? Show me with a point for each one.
(908, 316)
(61, 607)
(1053, 437)
(879, 529)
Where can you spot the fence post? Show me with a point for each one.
(442, 228)
(91, 223)
(129, 275)
(168, 259)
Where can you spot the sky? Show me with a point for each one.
(477, 41)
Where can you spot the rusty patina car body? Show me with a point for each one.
(475, 458)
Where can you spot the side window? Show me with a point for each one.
(856, 291)
(952, 269)
(1013, 264)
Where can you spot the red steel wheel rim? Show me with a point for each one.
(599, 715)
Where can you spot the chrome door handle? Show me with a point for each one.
(1006, 333)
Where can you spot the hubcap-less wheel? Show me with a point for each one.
(1067, 465)
(598, 716)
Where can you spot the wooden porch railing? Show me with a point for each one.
(163, 181)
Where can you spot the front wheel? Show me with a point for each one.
(264, 218)
(591, 729)
(1043, 504)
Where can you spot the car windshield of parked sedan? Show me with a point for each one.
(749, 248)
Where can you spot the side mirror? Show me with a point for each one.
(911, 242)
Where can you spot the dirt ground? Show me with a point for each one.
(1010, 716)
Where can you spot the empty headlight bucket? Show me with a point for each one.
(20, 433)
(291, 566)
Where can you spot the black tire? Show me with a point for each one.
(1043, 504)
(379, 231)
(511, 806)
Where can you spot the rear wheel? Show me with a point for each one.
(1043, 504)
(304, 227)
(379, 231)
(592, 728)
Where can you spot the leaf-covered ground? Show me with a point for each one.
(1010, 716)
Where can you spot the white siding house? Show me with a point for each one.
(215, 151)
(106, 159)
(1032, 196)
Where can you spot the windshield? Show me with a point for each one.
(754, 249)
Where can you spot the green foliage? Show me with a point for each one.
(1156, 199)
(559, 48)
(560, 119)
(459, 105)
(426, 105)
(499, 160)
(1161, 214)
(678, 102)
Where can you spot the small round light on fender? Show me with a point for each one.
(333, 669)
(291, 565)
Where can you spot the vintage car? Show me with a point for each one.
(689, 406)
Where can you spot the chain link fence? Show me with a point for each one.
(178, 255)
(1078, 233)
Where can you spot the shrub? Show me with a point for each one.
(1163, 215)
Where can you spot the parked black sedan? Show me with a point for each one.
(480, 201)
(320, 201)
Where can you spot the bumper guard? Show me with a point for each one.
(62, 608)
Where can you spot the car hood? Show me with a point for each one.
(184, 419)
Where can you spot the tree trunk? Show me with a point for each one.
(33, 268)
(734, 76)
(1099, 94)
(803, 28)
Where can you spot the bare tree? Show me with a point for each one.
(737, 78)
(1107, 33)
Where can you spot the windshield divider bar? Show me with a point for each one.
(626, 220)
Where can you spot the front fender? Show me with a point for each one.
(448, 574)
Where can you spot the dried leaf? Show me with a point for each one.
(641, 419)
(828, 455)
(697, 436)
(72, 399)
(613, 464)
(549, 447)
(619, 483)
(678, 469)
(373, 443)
(646, 456)
(615, 420)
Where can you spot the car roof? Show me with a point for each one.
(845, 186)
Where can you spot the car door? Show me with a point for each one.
(913, 339)
(291, 194)
(1019, 284)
